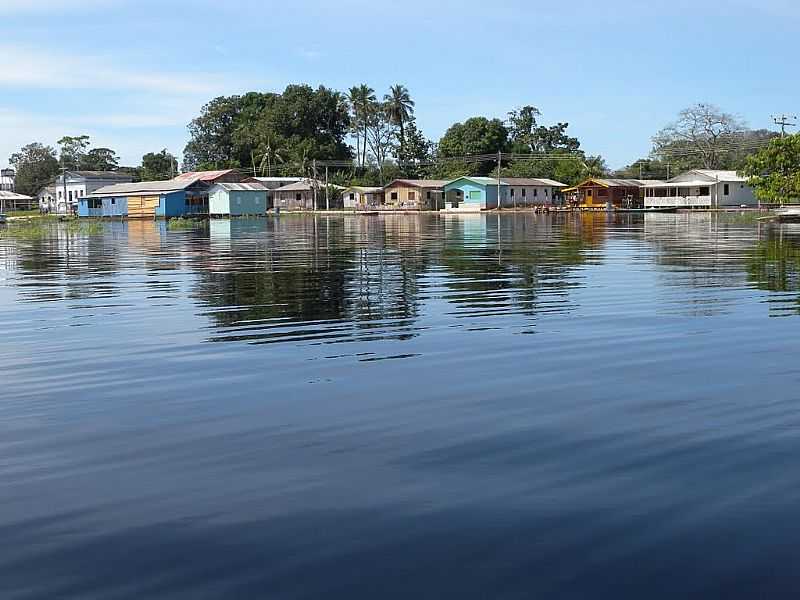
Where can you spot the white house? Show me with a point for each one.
(702, 189)
(524, 191)
(78, 185)
(362, 197)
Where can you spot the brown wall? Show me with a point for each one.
(142, 207)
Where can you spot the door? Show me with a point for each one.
(589, 196)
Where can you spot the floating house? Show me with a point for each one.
(361, 197)
(300, 195)
(526, 191)
(237, 199)
(414, 194)
(272, 183)
(71, 186)
(598, 192)
(700, 189)
(475, 193)
(14, 201)
(147, 200)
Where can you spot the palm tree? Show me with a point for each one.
(362, 100)
(400, 108)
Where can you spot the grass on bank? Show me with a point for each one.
(32, 229)
(183, 224)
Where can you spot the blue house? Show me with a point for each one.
(474, 193)
(147, 199)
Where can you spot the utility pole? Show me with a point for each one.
(499, 158)
(63, 187)
(314, 183)
(785, 121)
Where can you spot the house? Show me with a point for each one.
(414, 194)
(237, 199)
(7, 177)
(362, 197)
(525, 191)
(47, 198)
(701, 188)
(597, 192)
(475, 193)
(73, 185)
(147, 199)
(300, 195)
(14, 201)
(272, 183)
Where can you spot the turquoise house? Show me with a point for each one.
(237, 199)
(474, 193)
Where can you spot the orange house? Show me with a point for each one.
(596, 193)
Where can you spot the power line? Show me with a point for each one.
(785, 121)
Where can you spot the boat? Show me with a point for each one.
(784, 214)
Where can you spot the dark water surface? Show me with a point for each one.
(402, 407)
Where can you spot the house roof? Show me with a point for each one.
(304, 186)
(107, 175)
(530, 181)
(364, 189)
(207, 176)
(240, 187)
(715, 174)
(6, 195)
(419, 183)
(484, 181)
(142, 188)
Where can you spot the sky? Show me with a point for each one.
(132, 73)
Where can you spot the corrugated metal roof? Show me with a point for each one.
(304, 185)
(533, 181)
(6, 195)
(142, 188)
(203, 175)
(101, 175)
(240, 187)
(419, 183)
(719, 174)
(364, 189)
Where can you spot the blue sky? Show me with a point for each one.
(133, 73)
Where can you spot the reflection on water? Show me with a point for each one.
(401, 406)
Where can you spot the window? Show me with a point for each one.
(113, 201)
(602, 192)
(70, 195)
(352, 196)
(59, 194)
(545, 192)
(95, 203)
(412, 195)
(705, 191)
(512, 192)
(298, 197)
(524, 192)
(535, 192)
(475, 195)
(394, 196)
(428, 195)
(726, 189)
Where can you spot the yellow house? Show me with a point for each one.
(596, 193)
(415, 194)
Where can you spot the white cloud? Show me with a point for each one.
(31, 68)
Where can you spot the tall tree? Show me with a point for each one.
(702, 131)
(72, 150)
(477, 135)
(400, 108)
(774, 171)
(99, 159)
(36, 166)
(527, 135)
(159, 166)
(363, 103)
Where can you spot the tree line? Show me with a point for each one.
(37, 165)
